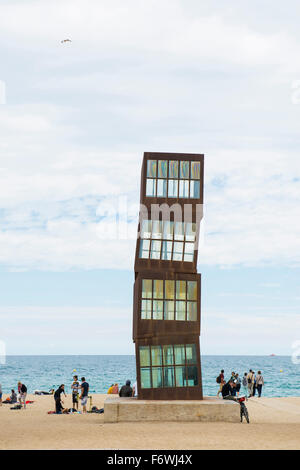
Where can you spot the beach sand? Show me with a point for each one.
(275, 424)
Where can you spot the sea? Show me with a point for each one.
(281, 375)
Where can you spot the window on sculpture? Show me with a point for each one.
(170, 366)
(169, 300)
(167, 240)
(173, 179)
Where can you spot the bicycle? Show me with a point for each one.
(243, 407)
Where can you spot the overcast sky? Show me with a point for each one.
(213, 77)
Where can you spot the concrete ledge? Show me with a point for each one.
(118, 410)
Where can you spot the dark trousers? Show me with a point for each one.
(254, 390)
(259, 389)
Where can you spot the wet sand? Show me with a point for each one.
(275, 424)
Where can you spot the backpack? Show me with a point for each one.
(218, 379)
(245, 382)
(249, 381)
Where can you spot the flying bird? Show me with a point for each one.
(65, 40)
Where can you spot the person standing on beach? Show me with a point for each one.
(58, 400)
(22, 393)
(0, 395)
(245, 384)
(75, 389)
(254, 384)
(238, 384)
(84, 393)
(220, 380)
(259, 383)
(250, 381)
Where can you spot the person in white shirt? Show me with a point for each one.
(135, 389)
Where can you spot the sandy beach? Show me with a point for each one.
(275, 424)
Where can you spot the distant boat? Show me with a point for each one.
(272, 355)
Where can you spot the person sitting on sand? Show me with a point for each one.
(126, 390)
(58, 401)
(13, 397)
(115, 390)
(110, 390)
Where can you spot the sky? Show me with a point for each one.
(213, 77)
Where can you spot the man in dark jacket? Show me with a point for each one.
(57, 398)
(126, 390)
(228, 389)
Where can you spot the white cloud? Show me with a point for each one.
(159, 76)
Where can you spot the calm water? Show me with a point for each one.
(45, 372)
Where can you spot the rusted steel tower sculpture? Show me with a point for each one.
(167, 289)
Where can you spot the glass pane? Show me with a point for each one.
(156, 355)
(190, 232)
(195, 170)
(167, 251)
(169, 377)
(162, 169)
(191, 357)
(146, 228)
(183, 189)
(147, 289)
(161, 188)
(144, 248)
(150, 187)
(158, 309)
(192, 376)
(178, 251)
(189, 252)
(158, 289)
(146, 310)
(157, 229)
(181, 290)
(151, 168)
(192, 290)
(157, 377)
(173, 188)
(179, 351)
(168, 354)
(184, 170)
(180, 310)
(144, 356)
(173, 169)
(180, 374)
(145, 378)
(179, 231)
(170, 288)
(155, 249)
(195, 189)
(168, 230)
(169, 310)
(192, 311)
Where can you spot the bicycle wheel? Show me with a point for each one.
(246, 415)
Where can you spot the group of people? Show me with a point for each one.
(79, 392)
(16, 397)
(125, 391)
(250, 383)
